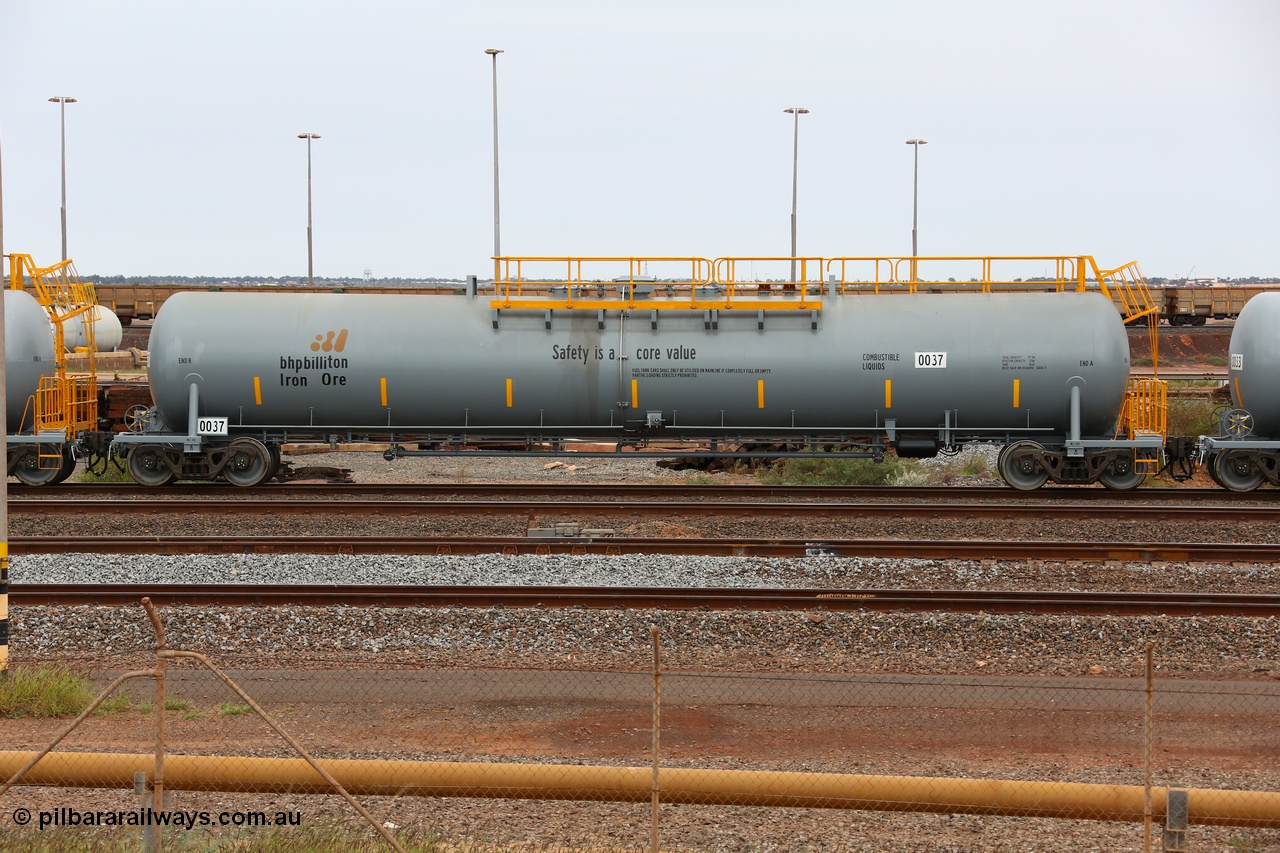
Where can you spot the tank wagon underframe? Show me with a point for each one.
(1044, 456)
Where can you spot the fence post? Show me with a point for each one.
(657, 714)
(1148, 738)
(156, 842)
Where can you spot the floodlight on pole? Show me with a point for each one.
(62, 101)
(795, 175)
(915, 198)
(497, 229)
(310, 267)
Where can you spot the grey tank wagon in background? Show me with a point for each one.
(1246, 452)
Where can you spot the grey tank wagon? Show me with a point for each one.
(235, 375)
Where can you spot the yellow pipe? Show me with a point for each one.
(634, 784)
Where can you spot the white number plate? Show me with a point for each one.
(1237, 361)
(931, 359)
(211, 426)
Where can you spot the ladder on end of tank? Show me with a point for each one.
(64, 402)
(1146, 407)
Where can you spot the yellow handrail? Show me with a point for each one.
(720, 284)
(983, 273)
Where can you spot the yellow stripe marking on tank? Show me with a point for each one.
(508, 393)
(759, 393)
(1239, 396)
(635, 393)
(257, 390)
(1017, 389)
(888, 393)
(382, 383)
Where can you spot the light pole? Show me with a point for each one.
(795, 175)
(62, 101)
(915, 202)
(3, 278)
(310, 268)
(497, 231)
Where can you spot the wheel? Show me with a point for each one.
(1198, 320)
(1236, 471)
(1020, 468)
(137, 418)
(68, 465)
(1122, 474)
(1211, 465)
(149, 467)
(248, 462)
(29, 471)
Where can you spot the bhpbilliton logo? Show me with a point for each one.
(330, 342)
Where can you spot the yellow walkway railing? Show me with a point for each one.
(734, 283)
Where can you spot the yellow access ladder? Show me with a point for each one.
(63, 402)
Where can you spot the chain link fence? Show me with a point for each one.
(645, 757)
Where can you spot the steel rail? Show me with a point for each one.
(666, 598)
(634, 491)
(1212, 552)
(665, 508)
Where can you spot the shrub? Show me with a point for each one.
(1193, 416)
(836, 470)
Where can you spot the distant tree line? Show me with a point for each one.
(1249, 279)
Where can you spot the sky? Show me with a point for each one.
(1129, 130)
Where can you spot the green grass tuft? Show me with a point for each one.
(48, 691)
(111, 473)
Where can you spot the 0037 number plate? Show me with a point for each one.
(211, 426)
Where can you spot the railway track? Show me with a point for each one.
(516, 506)
(1204, 552)
(666, 598)
(635, 491)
